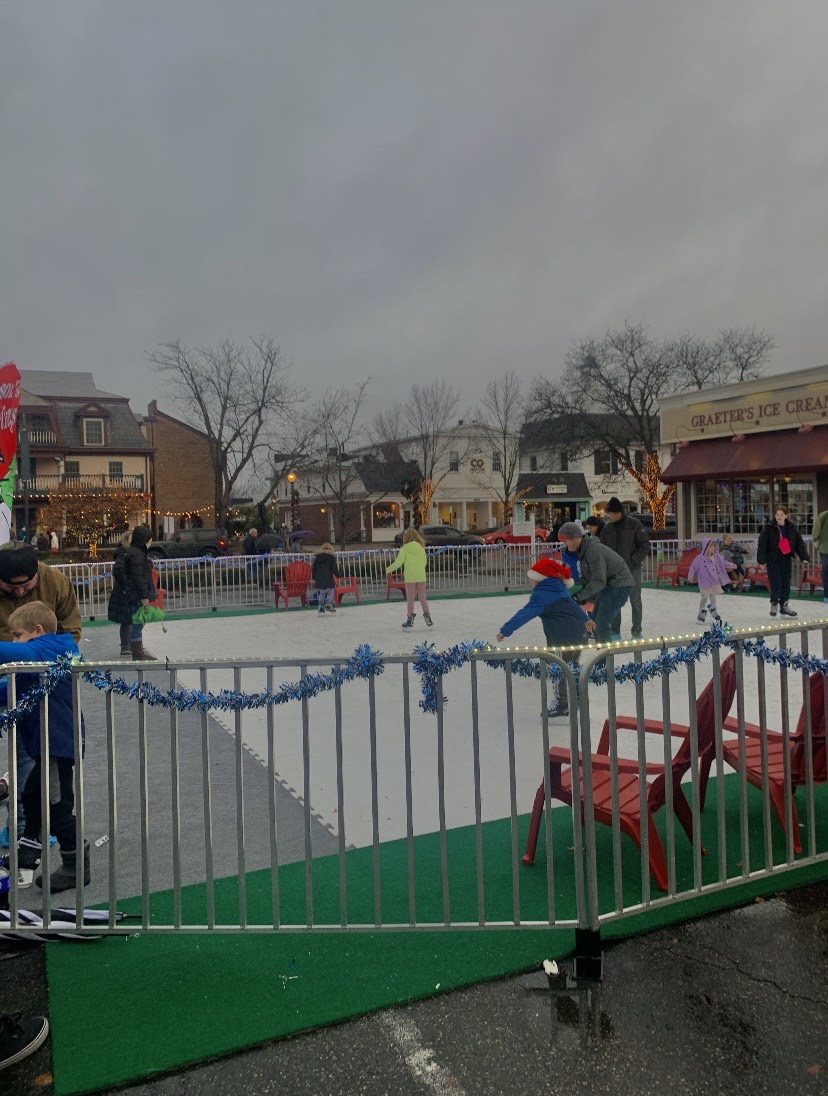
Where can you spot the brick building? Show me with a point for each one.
(182, 484)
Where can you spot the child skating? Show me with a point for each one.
(710, 569)
(412, 559)
(323, 573)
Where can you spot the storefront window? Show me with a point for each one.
(742, 507)
(386, 515)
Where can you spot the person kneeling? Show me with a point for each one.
(35, 624)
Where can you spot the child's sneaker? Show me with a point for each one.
(716, 617)
(330, 609)
(702, 617)
(29, 852)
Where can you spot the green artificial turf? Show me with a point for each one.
(127, 1007)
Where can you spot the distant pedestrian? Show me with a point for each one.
(323, 573)
(120, 609)
(412, 558)
(626, 536)
(820, 535)
(734, 553)
(249, 543)
(710, 569)
(54, 543)
(779, 542)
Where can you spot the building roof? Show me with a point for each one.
(60, 384)
(534, 486)
(386, 476)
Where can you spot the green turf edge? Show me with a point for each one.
(294, 975)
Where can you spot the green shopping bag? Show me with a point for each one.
(147, 614)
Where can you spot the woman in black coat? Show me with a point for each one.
(133, 572)
(118, 610)
(779, 542)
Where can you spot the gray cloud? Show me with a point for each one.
(408, 190)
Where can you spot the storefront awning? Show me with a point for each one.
(778, 452)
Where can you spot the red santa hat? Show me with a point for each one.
(550, 568)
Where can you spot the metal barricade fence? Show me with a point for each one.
(411, 791)
(238, 582)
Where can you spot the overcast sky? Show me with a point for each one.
(408, 190)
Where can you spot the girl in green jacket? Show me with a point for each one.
(412, 559)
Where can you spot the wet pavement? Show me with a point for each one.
(735, 1002)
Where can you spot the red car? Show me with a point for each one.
(504, 535)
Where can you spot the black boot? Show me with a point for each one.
(786, 610)
(66, 876)
(409, 621)
(428, 620)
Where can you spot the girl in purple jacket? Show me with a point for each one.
(710, 569)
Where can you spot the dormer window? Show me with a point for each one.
(93, 431)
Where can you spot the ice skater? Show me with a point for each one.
(412, 558)
(323, 573)
(712, 572)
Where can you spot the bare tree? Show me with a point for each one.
(237, 393)
(608, 396)
(419, 429)
(333, 470)
(500, 417)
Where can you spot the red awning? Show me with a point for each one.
(776, 453)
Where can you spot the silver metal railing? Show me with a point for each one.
(246, 582)
(348, 807)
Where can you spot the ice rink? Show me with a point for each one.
(295, 636)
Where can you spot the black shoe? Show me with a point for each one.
(20, 1037)
(409, 622)
(786, 610)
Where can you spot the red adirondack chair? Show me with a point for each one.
(812, 578)
(629, 784)
(295, 582)
(394, 582)
(776, 755)
(678, 569)
(757, 575)
(343, 586)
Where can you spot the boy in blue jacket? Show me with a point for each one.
(564, 621)
(35, 624)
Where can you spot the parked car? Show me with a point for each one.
(444, 536)
(504, 535)
(190, 542)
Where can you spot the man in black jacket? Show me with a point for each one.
(626, 536)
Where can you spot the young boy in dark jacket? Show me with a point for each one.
(564, 621)
(323, 573)
(35, 625)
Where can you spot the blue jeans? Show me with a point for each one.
(607, 604)
(325, 596)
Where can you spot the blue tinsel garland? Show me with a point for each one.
(430, 665)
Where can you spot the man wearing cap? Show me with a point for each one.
(23, 579)
(626, 536)
(607, 582)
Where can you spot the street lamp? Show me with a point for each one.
(294, 501)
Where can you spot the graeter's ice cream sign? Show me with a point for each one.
(9, 403)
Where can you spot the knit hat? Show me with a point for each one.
(571, 529)
(614, 506)
(550, 568)
(17, 563)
